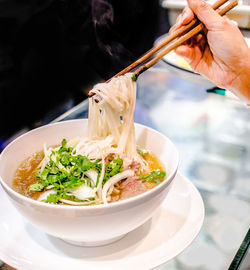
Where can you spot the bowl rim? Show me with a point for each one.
(128, 201)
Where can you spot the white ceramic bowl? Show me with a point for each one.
(86, 225)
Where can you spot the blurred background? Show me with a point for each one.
(53, 51)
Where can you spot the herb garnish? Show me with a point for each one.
(134, 77)
(141, 152)
(155, 176)
(73, 177)
(64, 171)
(114, 167)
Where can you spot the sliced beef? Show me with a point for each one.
(135, 166)
(108, 157)
(131, 187)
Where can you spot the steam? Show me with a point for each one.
(107, 39)
(102, 12)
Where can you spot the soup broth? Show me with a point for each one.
(103, 167)
(25, 177)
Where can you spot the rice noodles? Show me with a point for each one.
(91, 170)
(113, 116)
(111, 126)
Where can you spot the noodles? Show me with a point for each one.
(104, 166)
(113, 116)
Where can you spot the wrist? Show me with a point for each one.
(241, 86)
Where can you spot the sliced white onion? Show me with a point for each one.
(73, 142)
(75, 203)
(83, 192)
(49, 187)
(45, 160)
(45, 194)
(99, 187)
(110, 190)
(113, 180)
(92, 175)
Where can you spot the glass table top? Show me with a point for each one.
(212, 134)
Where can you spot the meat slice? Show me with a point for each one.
(131, 187)
(135, 166)
(109, 156)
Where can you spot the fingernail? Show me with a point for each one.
(179, 19)
(184, 11)
(172, 29)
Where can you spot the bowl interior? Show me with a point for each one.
(24, 146)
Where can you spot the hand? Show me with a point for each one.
(220, 53)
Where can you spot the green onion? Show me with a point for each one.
(155, 176)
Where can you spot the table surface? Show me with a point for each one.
(212, 134)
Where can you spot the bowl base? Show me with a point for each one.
(94, 243)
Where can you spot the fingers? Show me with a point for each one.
(193, 50)
(191, 54)
(205, 13)
(184, 18)
(185, 51)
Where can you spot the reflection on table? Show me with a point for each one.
(212, 135)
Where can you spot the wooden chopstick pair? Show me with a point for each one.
(182, 38)
(183, 34)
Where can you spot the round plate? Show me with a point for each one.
(173, 227)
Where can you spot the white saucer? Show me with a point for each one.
(174, 226)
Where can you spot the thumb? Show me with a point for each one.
(205, 13)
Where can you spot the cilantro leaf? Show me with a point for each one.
(66, 159)
(113, 168)
(43, 175)
(155, 176)
(73, 182)
(134, 77)
(52, 178)
(36, 187)
(83, 162)
(64, 142)
(53, 198)
(141, 152)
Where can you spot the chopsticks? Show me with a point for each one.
(181, 40)
(167, 40)
(183, 34)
